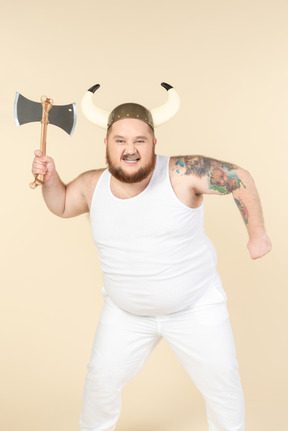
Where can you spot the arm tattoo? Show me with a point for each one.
(220, 175)
(242, 209)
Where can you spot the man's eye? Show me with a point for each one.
(140, 141)
(120, 141)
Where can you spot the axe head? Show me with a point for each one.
(27, 111)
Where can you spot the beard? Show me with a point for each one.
(125, 177)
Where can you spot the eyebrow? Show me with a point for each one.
(123, 137)
(141, 137)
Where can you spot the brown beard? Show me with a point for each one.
(137, 177)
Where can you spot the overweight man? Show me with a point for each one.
(159, 267)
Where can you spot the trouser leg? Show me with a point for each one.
(202, 341)
(122, 344)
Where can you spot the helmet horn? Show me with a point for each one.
(164, 112)
(94, 114)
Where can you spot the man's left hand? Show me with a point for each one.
(259, 246)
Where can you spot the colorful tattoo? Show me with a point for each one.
(180, 163)
(242, 209)
(222, 182)
(219, 175)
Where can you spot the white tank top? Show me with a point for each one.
(155, 257)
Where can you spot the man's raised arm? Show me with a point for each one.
(63, 200)
(210, 176)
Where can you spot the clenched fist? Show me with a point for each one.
(259, 246)
(43, 165)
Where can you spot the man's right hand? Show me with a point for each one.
(43, 165)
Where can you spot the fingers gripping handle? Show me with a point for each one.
(46, 106)
(37, 182)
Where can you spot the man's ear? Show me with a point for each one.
(105, 141)
(155, 141)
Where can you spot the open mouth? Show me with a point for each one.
(132, 160)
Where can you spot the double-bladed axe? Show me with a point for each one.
(27, 111)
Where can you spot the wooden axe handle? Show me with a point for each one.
(46, 106)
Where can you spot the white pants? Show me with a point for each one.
(200, 337)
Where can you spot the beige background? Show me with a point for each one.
(228, 60)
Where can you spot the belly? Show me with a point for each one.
(145, 297)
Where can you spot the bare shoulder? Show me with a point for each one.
(196, 165)
(79, 193)
(204, 174)
(88, 181)
(90, 178)
(181, 168)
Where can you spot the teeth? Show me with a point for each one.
(132, 158)
(126, 159)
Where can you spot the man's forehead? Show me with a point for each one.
(130, 127)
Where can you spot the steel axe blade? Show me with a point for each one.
(27, 111)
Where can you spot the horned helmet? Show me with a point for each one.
(153, 117)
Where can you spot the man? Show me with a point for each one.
(159, 268)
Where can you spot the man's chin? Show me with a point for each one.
(130, 178)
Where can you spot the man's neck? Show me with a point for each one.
(123, 190)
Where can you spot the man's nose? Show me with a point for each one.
(130, 148)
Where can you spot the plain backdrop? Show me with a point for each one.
(229, 62)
